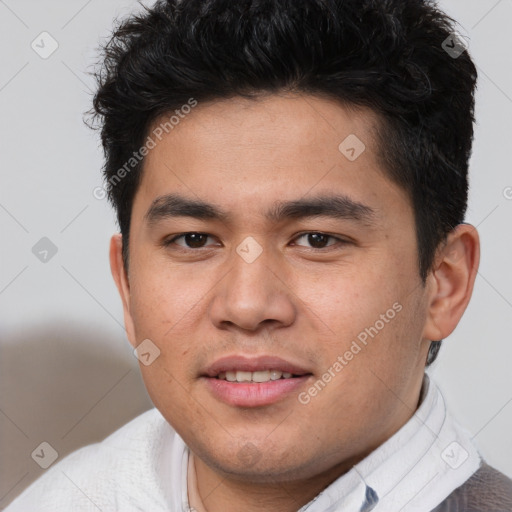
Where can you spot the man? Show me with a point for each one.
(290, 180)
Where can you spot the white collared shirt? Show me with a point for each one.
(143, 467)
(413, 471)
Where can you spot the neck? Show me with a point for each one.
(223, 494)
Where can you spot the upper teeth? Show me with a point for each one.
(261, 376)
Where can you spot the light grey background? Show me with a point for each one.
(68, 376)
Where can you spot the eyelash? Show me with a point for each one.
(340, 241)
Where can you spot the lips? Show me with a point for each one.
(258, 376)
(243, 364)
(254, 381)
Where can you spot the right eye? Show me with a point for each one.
(191, 240)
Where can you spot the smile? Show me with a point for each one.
(254, 381)
(257, 377)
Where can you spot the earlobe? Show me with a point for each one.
(123, 285)
(451, 281)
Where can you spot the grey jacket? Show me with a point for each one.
(487, 490)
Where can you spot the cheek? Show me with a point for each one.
(373, 321)
(163, 299)
(349, 300)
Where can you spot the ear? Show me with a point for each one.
(451, 281)
(123, 285)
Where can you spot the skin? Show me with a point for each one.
(306, 306)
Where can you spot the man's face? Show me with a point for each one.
(296, 291)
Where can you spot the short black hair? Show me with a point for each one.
(387, 55)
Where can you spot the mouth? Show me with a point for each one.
(254, 382)
(256, 377)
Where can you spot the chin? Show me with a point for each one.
(260, 464)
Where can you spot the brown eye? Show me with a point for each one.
(190, 240)
(318, 240)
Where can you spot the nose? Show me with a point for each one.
(254, 293)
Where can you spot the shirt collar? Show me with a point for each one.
(413, 471)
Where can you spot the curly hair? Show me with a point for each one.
(387, 55)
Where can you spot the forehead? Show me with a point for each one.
(245, 152)
(277, 121)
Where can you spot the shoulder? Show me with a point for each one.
(107, 475)
(486, 490)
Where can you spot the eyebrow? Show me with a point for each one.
(334, 206)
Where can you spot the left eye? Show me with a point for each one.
(318, 240)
